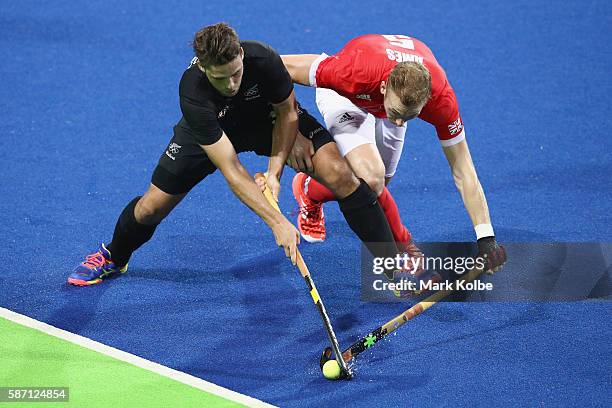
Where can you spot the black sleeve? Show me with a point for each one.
(276, 80)
(202, 119)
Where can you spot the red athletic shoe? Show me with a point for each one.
(414, 254)
(414, 269)
(311, 220)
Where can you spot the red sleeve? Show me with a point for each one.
(443, 113)
(335, 72)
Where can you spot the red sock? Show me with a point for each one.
(317, 191)
(387, 203)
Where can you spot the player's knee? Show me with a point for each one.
(376, 181)
(339, 178)
(148, 212)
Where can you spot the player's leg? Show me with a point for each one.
(375, 163)
(180, 168)
(366, 163)
(341, 118)
(139, 219)
(389, 144)
(356, 199)
(355, 134)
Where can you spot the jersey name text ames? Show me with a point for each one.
(403, 56)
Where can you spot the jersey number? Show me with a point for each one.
(402, 41)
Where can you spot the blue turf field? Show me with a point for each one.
(88, 98)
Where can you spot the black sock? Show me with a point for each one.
(129, 235)
(365, 217)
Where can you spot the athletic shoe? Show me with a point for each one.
(311, 220)
(414, 254)
(96, 267)
(413, 270)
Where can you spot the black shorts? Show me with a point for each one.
(184, 163)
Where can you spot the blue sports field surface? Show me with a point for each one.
(88, 98)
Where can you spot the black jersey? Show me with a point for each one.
(207, 113)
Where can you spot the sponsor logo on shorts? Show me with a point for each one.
(252, 93)
(365, 97)
(172, 150)
(312, 133)
(455, 127)
(345, 117)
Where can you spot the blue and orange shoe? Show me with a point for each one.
(96, 267)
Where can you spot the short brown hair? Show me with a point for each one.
(411, 82)
(216, 44)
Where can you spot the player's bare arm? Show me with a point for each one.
(224, 156)
(283, 138)
(298, 66)
(466, 181)
(475, 202)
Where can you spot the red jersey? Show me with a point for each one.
(358, 69)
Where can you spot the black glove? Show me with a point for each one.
(494, 255)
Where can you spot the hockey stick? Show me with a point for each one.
(313, 293)
(381, 332)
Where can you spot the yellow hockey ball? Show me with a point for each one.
(331, 370)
